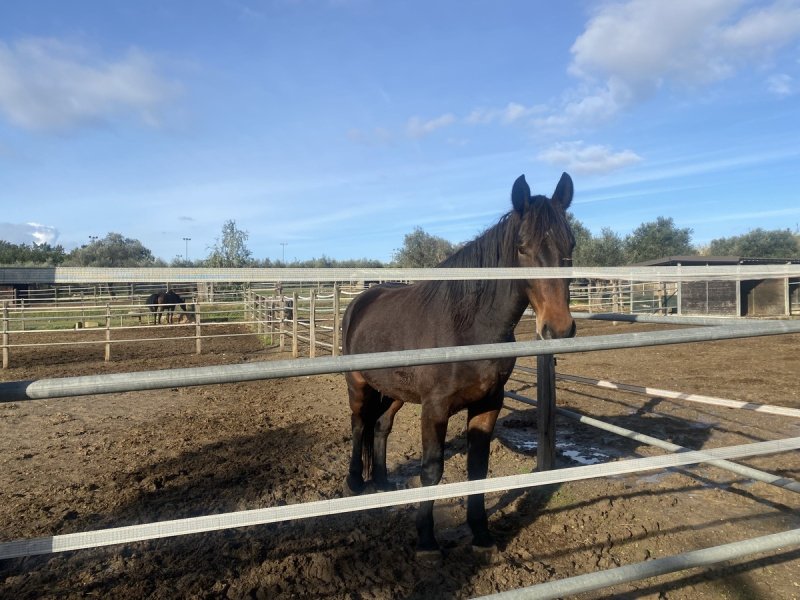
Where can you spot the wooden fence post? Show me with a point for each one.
(546, 412)
(282, 316)
(198, 339)
(108, 333)
(271, 319)
(312, 325)
(336, 320)
(5, 334)
(294, 325)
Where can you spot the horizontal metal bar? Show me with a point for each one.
(79, 275)
(167, 378)
(148, 531)
(662, 319)
(563, 588)
(745, 471)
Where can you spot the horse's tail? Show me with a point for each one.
(368, 445)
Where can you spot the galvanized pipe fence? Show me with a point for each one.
(16, 391)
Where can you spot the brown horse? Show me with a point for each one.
(166, 301)
(456, 313)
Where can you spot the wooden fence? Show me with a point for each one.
(26, 327)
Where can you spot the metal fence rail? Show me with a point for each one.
(148, 380)
(84, 275)
(149, 531)
(563, 588)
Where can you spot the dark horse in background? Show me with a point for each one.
(160, 302)
(456, 313)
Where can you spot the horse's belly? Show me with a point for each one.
(461, 383)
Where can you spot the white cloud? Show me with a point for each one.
(512, 113)
(417, 128)
(629, 50)
(579, 158)
(49, 85)
(26, 233)
(780, 84)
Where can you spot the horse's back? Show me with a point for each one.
(170, 297)
(369, 319)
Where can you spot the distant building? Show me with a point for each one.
(746, 298)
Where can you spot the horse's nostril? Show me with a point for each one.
(573, 330)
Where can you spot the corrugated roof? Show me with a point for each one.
(671, 261)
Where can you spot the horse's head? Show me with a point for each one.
(544, 239)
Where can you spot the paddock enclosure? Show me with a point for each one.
(94, 462)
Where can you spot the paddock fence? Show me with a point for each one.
(261, 300)
(696, 330)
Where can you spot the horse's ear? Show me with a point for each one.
(562, 197)
(520, 194)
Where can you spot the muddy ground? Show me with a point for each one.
(86, 463)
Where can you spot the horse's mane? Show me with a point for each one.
(495, 247)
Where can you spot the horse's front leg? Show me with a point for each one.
(434, 431)
(481, 420)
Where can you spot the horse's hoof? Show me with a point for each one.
(385, 486)
(485, 554)
(348, 489)
(429, 558)
(413, 483)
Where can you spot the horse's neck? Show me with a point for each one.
(497, 319)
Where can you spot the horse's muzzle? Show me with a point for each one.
(548, 333)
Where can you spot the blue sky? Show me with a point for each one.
(337, 126)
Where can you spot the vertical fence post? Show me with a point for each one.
(336, 320)
(257, 313)
(271, 319)
(294, 325)
(198, 339)
(248, 299)
(312, 326)
(787, 300)
(5, 334)
(630, 283)
(282, 316)
(546, 412)
(108, 333)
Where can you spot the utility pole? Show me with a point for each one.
(283, 248)
(186, 254)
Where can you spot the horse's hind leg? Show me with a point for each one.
(364, 401)
(383, 427)
(481, 420)
(434, 431)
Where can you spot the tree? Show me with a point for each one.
(583, 241)
(658, 239)
(31, 254)
(605, 250)
(231, 249)
(422, 249)
(114, 250)
(758, 243)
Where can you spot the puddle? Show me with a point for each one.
(521, 436)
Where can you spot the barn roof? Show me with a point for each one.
(671, 261)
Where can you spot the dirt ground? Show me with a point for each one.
(85, 463)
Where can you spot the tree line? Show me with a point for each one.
(650, 241)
